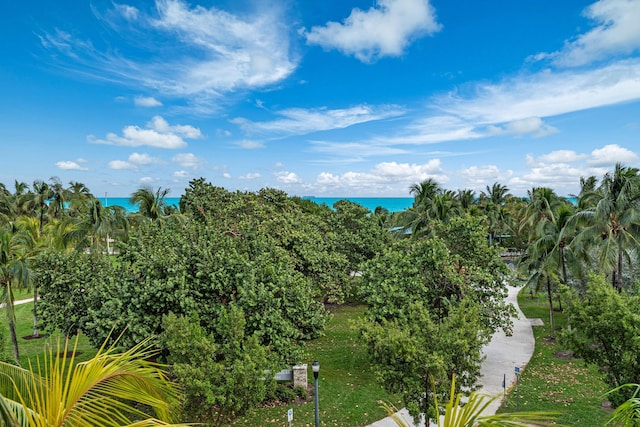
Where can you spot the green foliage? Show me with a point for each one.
(430, 310)
(68, 283)
(220, 379)
(409, 355)
(605, 331)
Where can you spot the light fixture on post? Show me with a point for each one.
(316, 370)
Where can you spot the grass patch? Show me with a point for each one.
(551, 383)
(348, 392)
(32, 349)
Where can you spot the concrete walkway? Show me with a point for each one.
(19, 302)
(503, 353)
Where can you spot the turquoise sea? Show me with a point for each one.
(392, 204)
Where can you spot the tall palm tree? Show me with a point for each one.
(150, 204)
(33, 241)
(466, 198)
(37, 203)
(97, 225)
(14, 271)
(57, 199)
(78, 195)
(110, 389)
(496, 194)
(424, 191)
(613, 222)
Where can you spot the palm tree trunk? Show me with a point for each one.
(619, 269)
(564, 266)
(14, 341)
(551, 319)
(36, 334)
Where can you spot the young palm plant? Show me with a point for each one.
(111, 389)
(469, 414)
(627, 414)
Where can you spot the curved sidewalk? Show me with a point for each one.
(503, 353)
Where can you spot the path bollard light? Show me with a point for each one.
(316, 370)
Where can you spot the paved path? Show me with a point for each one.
(19, 302)
(503, 354)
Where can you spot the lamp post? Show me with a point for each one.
(316, 370)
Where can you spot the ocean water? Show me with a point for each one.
(392, 204)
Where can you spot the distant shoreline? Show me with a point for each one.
(392, 204)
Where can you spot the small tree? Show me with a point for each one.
(221, 378)
(605, 326)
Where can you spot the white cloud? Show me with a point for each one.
(70, 165)
(198, 53)
(555, 175)
(478, 177)
(249, 144)
(180, 174)
(531, 125)
(562, 156)
(611, 154)
(143, 159)
(384, 30)
(122, 165)
(226, 175)
(382, 177)
(158, 134)
(286, 177)
(188, 160)
(148, 180)
(146, 101)
(250, 176)
(617, 32)
(299, 121)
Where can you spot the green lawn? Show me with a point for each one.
(348, 392)
(549, 383)
(31, 349)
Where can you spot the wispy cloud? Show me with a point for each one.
(158, 133)
(146, 101)
(545, 94)
(384, 30)
(299, 121)
(617, 32)
(196, 53)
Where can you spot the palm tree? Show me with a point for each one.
(97, 225)
(150, 204)
(424, 191)
(78, 195)
(466, 198)
(493, 202)
(32, 241)
(110, 389)
(496, 194)
(628, 413)
(57, 199)
(14, 271)
(613, 222)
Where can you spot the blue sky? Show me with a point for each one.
(325, 98)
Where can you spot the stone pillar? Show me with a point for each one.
(300, 376)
